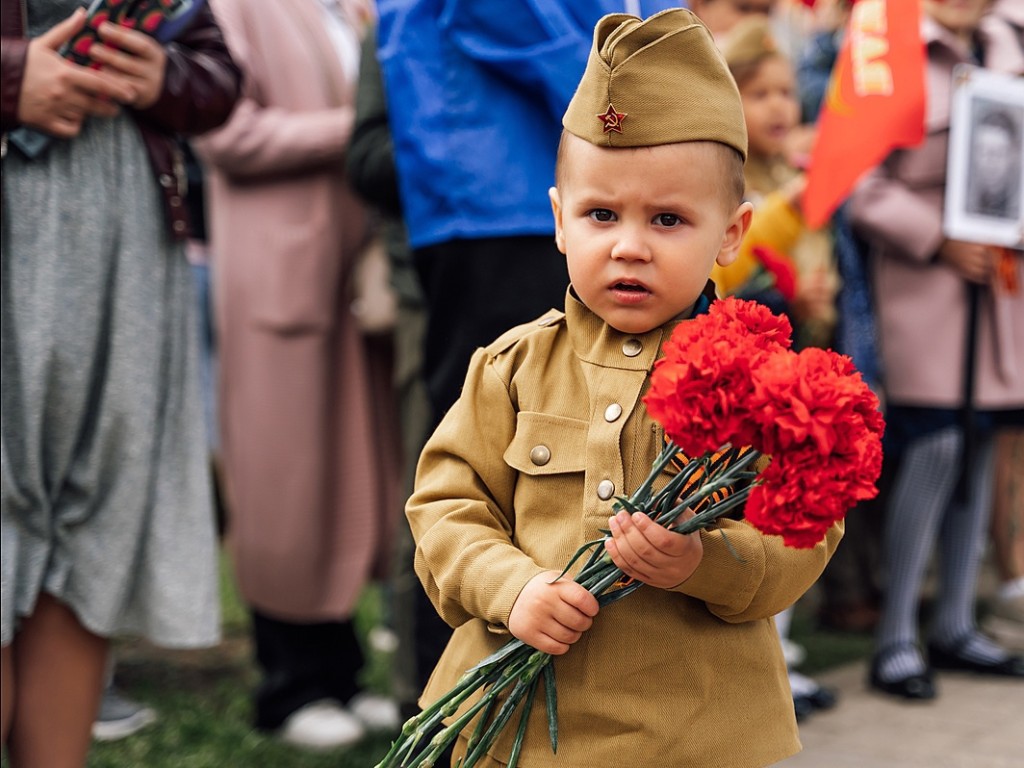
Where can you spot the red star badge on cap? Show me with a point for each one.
(612, 120)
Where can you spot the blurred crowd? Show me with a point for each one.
(242, 285)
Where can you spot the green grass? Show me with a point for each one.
(826, 650)
(204, 703)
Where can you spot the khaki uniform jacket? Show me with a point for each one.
(692, 676)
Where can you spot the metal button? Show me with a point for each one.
(166, 180)
(605, 490)
(540, 455)
(175, 201)
(179, 226)
(612, 412)
(632, 347)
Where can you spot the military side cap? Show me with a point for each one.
(659, 81)
(749, 41)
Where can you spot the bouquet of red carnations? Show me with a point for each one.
(791, 440)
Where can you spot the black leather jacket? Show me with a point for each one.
(201, 86)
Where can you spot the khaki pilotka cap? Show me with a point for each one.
(659, 81)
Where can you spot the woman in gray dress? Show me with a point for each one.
(105, 499)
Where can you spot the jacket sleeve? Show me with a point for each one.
(370, 160)
(261, 139)
(201, 83)
(12, 69)
(883, 209)
(461, 510)
(540, 47)
(746, 575)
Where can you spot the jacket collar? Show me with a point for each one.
(596, 342)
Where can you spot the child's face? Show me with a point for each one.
(770, 106)
(641, 228)
(720, 16)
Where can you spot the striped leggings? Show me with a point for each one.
(925, 518)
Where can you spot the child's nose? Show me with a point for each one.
(631, 246)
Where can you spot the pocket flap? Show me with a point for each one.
(547, 445)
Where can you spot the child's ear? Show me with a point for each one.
(556, 209)
(737, 227)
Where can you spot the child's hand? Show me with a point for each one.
(134, 56)
(651, 553)
(551, 616)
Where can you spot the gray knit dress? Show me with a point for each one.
(106, 500)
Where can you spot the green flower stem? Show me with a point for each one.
(517, 744)
(423, 723)
(521, 670)
(508, 708)
(518, 668)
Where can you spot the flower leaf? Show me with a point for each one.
(551, 703)
(506, 650)
(517, 745)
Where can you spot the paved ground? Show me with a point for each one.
(976, 722)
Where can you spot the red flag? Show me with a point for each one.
(875, 102)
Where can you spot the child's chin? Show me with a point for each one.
(634, 326)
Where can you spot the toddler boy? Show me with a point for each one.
(550, 427)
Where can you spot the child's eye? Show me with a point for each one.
(667, 220)
(601, 214)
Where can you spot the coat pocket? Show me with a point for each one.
(545, 444)
(296, 281)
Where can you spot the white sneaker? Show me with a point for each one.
(794, 653)
(120, 717)
(1005, 622)
(322, 725)
(376, 712)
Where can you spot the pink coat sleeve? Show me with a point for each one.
(885, 209)
(262, 139)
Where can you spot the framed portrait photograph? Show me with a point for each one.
(985, 165)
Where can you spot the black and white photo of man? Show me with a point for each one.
(994, 168)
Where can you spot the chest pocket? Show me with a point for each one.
(547, 445)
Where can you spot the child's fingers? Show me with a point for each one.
(572, 619)
(623, 535)
(547, 644)
(580, 599)
(627, 562)
(641, 539)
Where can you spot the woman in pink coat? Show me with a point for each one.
(309, 457)
(940, 429)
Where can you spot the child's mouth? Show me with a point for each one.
(630, 293)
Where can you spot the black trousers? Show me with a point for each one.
(302, 663)
(475, 290)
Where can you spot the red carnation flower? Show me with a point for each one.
(701, 390)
